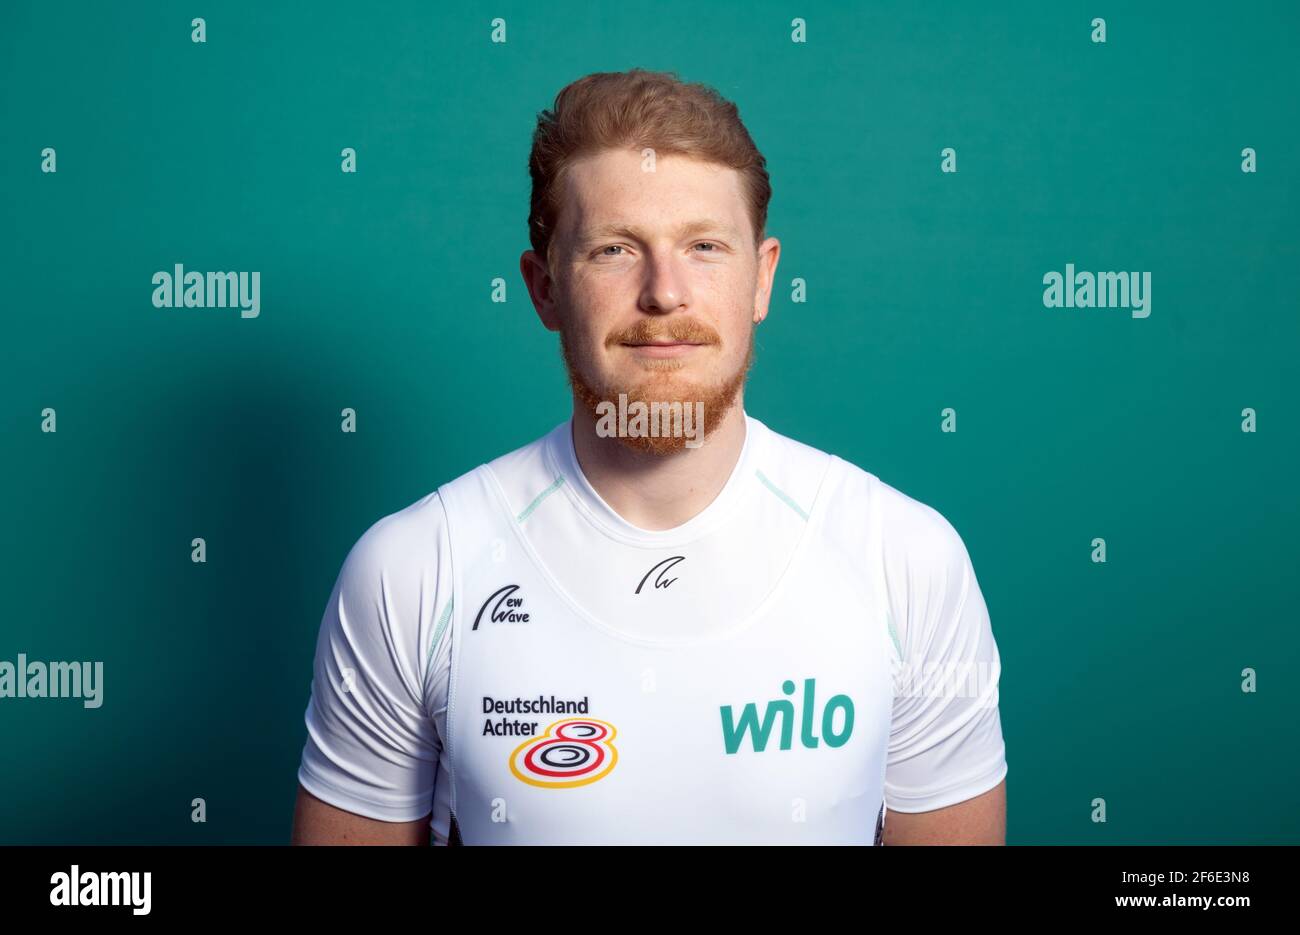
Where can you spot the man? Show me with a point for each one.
(612, 635)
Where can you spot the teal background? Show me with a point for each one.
(1120, 680)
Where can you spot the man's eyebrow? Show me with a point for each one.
(703, 225)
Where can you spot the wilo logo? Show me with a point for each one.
(1099, 290)
(180, 289)
(102, 889)
(733, 734)
(657, 420)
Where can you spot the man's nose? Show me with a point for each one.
(666, 288)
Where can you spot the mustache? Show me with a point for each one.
(647, 330)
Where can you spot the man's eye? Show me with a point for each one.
(713, 248)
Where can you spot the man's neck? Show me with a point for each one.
(658, 491)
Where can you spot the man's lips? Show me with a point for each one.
(663, 348)
(662, 343)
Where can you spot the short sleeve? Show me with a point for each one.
(945, 743)
(372, 747)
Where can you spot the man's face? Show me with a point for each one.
(657, 284)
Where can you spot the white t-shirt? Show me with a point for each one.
(725, 599)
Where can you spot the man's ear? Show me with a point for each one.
(769, 253)
(541, 288)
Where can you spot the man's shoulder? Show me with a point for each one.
(917, 542)
(793, 470)
(408, 537)
(860, 500)
(806, 470)
(416, 531)
(527, 460)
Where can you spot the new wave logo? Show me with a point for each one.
(662, 567)
(506, 608)
(734, 731)
(576, 751)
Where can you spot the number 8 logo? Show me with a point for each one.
(573, 752)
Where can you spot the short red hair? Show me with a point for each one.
(638, 109)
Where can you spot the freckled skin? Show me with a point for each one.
(317, 822)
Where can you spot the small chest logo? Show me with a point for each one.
(662, 568)
(734, 731)
(576, 751)
(505, 607)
